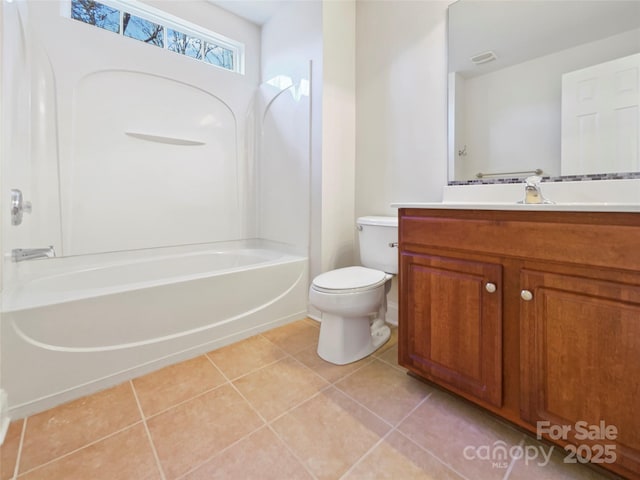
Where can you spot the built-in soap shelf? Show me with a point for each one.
(164, 139)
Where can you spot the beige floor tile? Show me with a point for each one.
(171, 385)
(73, 425)
(385, 390)
(208, 429)
(259, 456)
(9, 449)
(545, 462)
(458, 434)
(390, 356)
(399, 458)
(245, 356)
(330, 433)
(328, 371)
(294, 337)
(194, 431)
(278, 387)
(126, 455)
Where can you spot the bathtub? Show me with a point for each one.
(72, 326)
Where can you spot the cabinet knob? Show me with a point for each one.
(526, 295)
(490, 287)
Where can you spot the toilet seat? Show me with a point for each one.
(349, 280)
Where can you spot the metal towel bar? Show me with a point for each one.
(537, 171)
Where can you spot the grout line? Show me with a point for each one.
(400, 368)
(361, 405)
(182, 402)
(290, 450)
(371, 360)
(267, 423)
(86, 445)
(432, 454)
(231, 382)
(383, 438)
(220, 452)
(146, 429)
(302, 402)
(513, 461)
(309, 368)
(367, 408)
(394, 365)
(16, 468)
(264, 425)
(250, 371)
(427, 451)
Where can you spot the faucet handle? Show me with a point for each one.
(18, 207)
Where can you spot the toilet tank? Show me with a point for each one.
(375, 234)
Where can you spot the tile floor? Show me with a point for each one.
(269, 408)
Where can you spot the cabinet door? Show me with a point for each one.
(580, 365)
(451, 323)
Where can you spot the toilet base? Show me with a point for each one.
(347, 340)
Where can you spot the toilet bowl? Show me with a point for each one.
(353, 299)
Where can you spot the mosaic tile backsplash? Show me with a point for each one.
(565, 178)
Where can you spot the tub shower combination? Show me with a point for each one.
(72, 324)
(160, 249)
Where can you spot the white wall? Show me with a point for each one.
(515, 112)
(338, 135)
(401, 107)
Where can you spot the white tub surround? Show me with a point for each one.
(76, 325)
(586, 196)
(171, 164)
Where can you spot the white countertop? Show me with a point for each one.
(557, 207)
(586, 196)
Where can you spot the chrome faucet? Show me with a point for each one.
(533, 192)
(20, 254)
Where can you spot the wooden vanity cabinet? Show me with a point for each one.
(533, 315)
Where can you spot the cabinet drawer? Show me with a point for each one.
(611, 241)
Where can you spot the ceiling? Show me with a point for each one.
(256, 11)
(519, 30)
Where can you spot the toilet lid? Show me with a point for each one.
(350, 278)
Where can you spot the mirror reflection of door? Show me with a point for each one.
(601, 117)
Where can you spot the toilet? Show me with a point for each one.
(353, 300)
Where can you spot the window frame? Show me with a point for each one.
(169, 21)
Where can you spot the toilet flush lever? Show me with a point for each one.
(393, 244)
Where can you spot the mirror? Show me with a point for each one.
(527, 83)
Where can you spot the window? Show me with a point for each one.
(217, 55)
(96, 14)
(143, 30)
(149, 25)
(184, 44)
